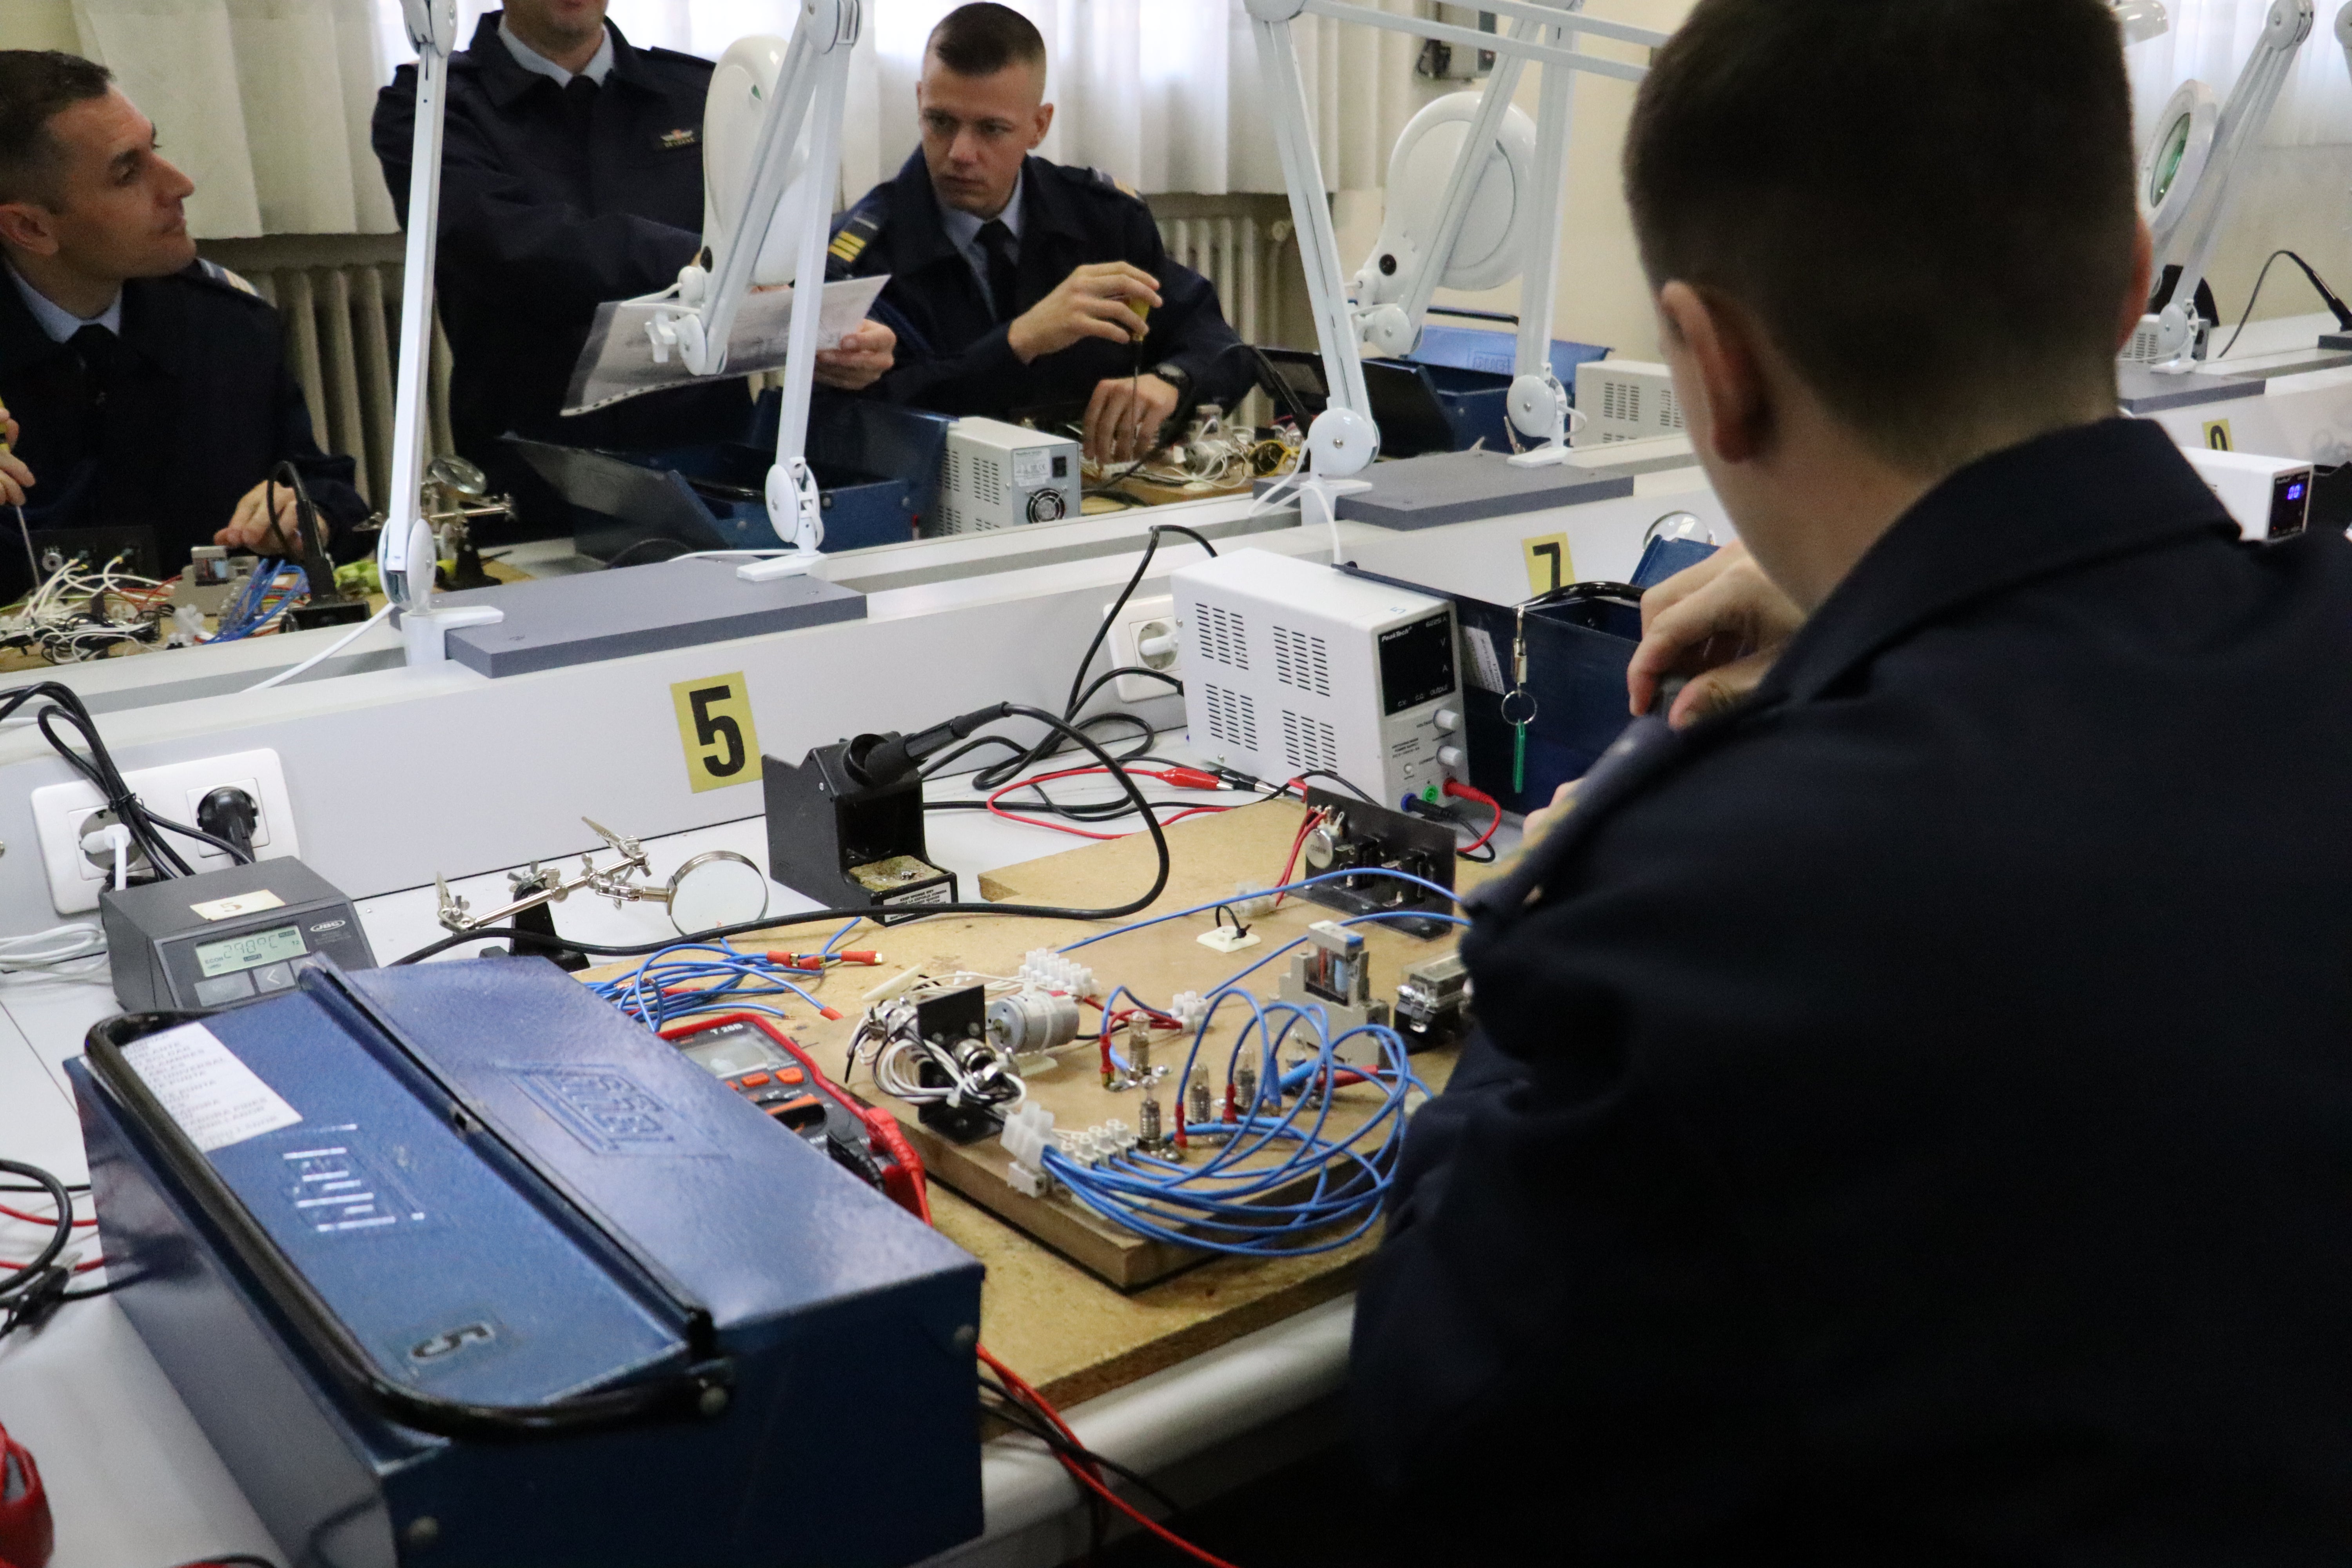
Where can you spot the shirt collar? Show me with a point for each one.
(55, 319)
(598, 67)
(2055, 503)
(964, 228)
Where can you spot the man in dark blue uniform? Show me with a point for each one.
(141, 387)
(570, 175)
(1019, 284)
(1911, 1121)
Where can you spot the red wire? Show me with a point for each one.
(1306, 826)
(39, 1219)
(996, 810)
(1086, 1474)
(1471, 792)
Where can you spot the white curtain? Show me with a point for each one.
(1163, 94)
(264, 103)
(2210, 41)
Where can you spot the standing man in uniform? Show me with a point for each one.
(1911, 1117)
(570, 175)
(140, 387)
(1017, 284)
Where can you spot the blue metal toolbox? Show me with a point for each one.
(457, 1267)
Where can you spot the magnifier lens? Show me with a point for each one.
(715, 890)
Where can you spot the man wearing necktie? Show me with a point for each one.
(142, 388)
(1019, 286)
(570, 175)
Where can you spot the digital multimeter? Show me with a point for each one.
(753, 1057)
(222, 938)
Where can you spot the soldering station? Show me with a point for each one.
(481, 1186)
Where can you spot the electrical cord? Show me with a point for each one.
(2341, 311)
(97, 768)
(810, 917)
(31, 1292)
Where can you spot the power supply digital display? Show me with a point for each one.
(1417, 662)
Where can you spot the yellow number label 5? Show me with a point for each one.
(714, 724)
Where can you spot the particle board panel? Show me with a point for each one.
(1059, 1321)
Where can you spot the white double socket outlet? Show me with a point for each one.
(1142, 622)
(64, 813)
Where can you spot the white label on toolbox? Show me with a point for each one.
(935, 894)
(1486, 669)
(1033, 467)
(216, 1100)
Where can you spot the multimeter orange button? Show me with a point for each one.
(791, 1075)
(752, 1081)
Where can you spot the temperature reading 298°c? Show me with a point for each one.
(249, 950)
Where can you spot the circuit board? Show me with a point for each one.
(1209, 858)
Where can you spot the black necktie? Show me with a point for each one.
(1003, 273)
(101, 355)
(580, 100)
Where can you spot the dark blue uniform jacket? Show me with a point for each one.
(952, 356)
(1913, 1122)
(202, 409)
(549, 208)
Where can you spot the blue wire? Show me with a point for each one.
(1446, 893)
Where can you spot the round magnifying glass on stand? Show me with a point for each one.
(717, 888)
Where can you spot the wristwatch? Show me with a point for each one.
(1177, 377)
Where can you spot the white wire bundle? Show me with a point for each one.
(60, 618)
(975, 1071)
(71, 949)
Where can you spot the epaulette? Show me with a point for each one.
(1110, 182)
(214, 272)
(858, 228)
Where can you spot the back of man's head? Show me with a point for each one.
(35, 85)
(1926, 205)
(984, 39)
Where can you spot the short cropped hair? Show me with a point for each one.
(35, 85)
(983, 39)
(1928, 204)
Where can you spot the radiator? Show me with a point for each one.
(339, 296)
(1242, 254)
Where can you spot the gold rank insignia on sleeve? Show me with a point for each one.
(684, 136)
(846, 247)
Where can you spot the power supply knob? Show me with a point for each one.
(1449, 757)
(1448, 721)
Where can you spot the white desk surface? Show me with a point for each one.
(134, 1483)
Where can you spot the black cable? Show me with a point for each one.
(2341, 311)
(61, 1228)
(1107, 676)
(863, 912)
(1014, 1411)
(1151, 549)
(233, 1560)
(627, 551)
(236, 855)
(97, 768)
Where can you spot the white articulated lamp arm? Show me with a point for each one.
(2344, 33)
(1392, 316)
(404, 553)
(800, 124)
(432, 29)
(2191, 245)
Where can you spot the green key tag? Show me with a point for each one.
(1519, 759)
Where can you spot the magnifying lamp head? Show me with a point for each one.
(743, 86)
(406, 574)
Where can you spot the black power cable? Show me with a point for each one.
(812, 917)
(2336, 307)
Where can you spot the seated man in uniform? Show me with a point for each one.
(570, 175)
(1019, 284)
(142, 388)
(1911, 1119)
